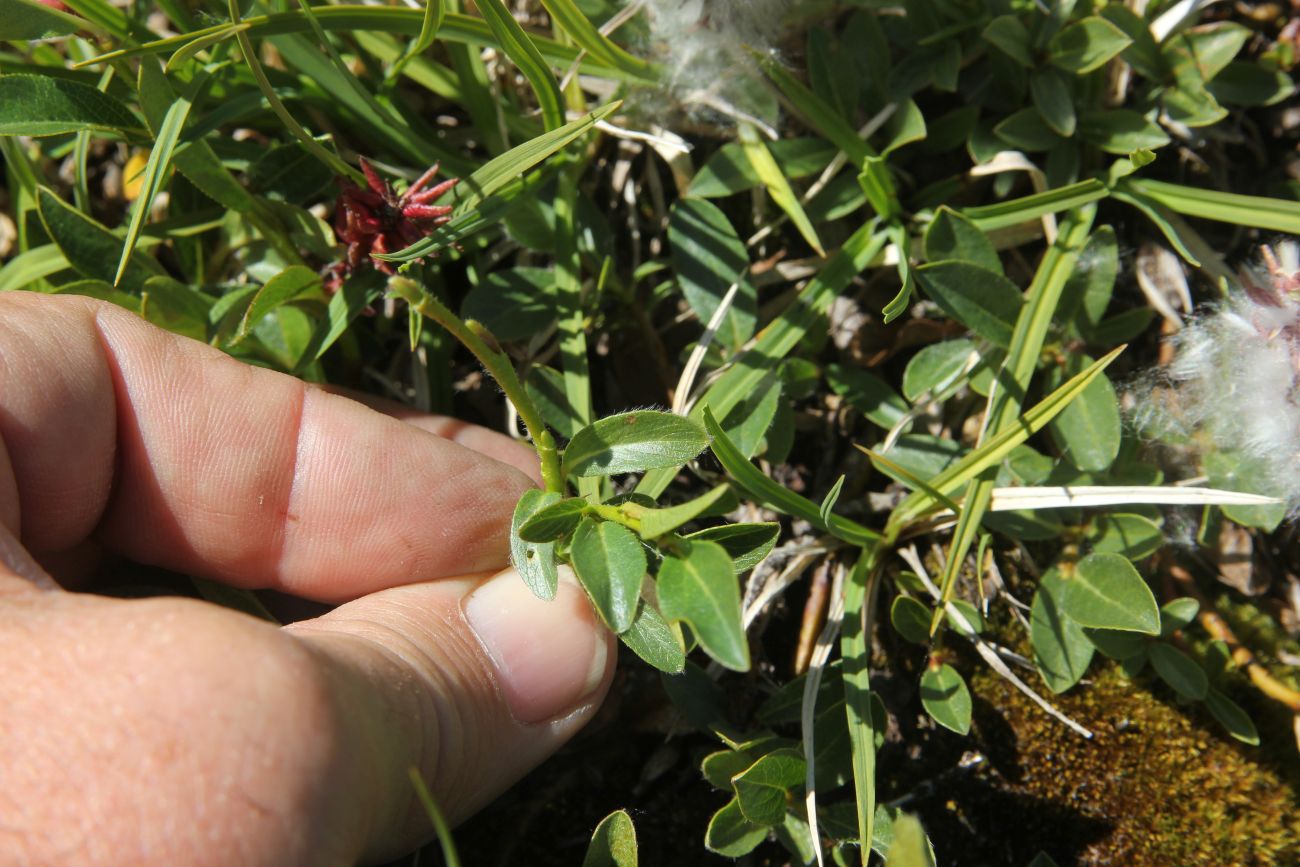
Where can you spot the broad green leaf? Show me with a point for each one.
(293, 282)
(1247, 83)
(89, 247)
(937, 366)
(633, 441)
(534, 561)
(951, 235)
(1132, 536)
(1106, 592)
(651, 638)
(708, 258)
(1232, 717)
(1116, 644)
(982, 300)
(553, 520)
(613, 843)
(1209, 47)
(911, 618)
(729, 171)
(40, 105)
(514, 304)
(356, 295)
(1062, 651)
(778, 186)
(102, 291)
(1088, 430)
(175, 306)
(1087, 45)
(1054, 101)
(905, 126)
(731, 834)
(1009, 34)
(749, 421)
(1236, 472)
(611, 565)
(1089, 289)
(656, 522)
(29, 20)
(910, 847)
(763, 788)
(1121, 131)
(745, 544)
(1178, 670)
(698, 586)
(1027, 131)
(969, 613)
(946, 699)
(1176, 614)
(868, 394)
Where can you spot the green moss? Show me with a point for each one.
(1155, 786)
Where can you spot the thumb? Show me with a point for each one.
(473, 681)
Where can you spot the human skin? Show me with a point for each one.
(172, 731)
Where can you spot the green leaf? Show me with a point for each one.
(358, 292)
(778, 186)
(291, 283)
(982, 300)
(613, 843)
(1031, 207)
(827, 507)
(911, 618)
(698, 586)
(514, 304)
(746, 544)
(1118, 645)
(516, 44)
(1087, 45)
(89, 247)
(28, 20)
(1062, 651)
(749, 421)
(1178, 670)
(729, 171)
(1209, 47)
(1261, 212)
(1106, 592)
(633, 441)
(1054, 101)
(651, 638)
(656, 522)
(1246, 83)
(1132, 536)
(1088, 430)
(969, 613)
(568, 16)
(1176, 614)
(1091, 284)
(1232, 717)
(534, 561)
(40, 105)
(731, 834)
(611, 565)
(1121, 131)
(868, 394)
(553, 521)
(763, 789)
(708, 257)
(1009, 34)
(946, 699)
(1027, 131)
(937, 367)
(909, 848)
(951, 235)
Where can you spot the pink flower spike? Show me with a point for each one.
(432, 195)
(426, 212)
(378, 184)
(423, 180)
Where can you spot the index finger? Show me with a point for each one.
(174, 454)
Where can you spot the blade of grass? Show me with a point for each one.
(429, 24)
(1032, 207)
(521, 50)
(778, 187)
(569, 17)
(814, 111)
(1260, 212)
(855, 650)
(440, 826)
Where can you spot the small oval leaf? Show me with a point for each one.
(1179, 670)
(633, 441)
(946, 699)
(554, 521)
(651, 638)
(1106, 592)
(613, 843)
(534, 561)
(699, 586)
(611, 564)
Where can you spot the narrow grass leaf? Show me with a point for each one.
(534, 561)
(611, 565)
(570, 18)
(633, 441)
(1106, 592)
(657, 522)
(517, 45)
(1032, 207)
(1277, 215)
(778, 186)
(825, 510)
(293, 282)
(29, 20)
(698, 586)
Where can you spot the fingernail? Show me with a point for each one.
(549, 656)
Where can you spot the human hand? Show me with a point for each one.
(171, 731)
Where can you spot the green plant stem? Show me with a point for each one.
(475, 338)
(855, 650)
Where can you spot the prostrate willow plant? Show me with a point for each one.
(894, 267)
